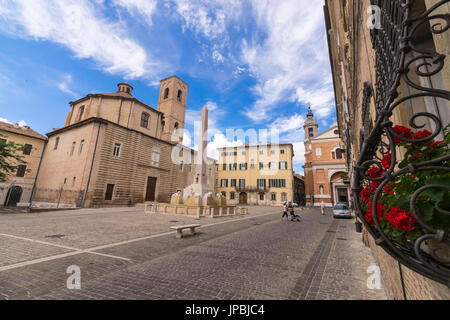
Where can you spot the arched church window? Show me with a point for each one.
(340, 153)
(180, 93)
(163, 126)
(175, 127)
(311, 132)
(166, 93)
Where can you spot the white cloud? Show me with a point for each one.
(299, 155)
(208, 18)
(215, 116)
(142, 8)
(65, 84)
(321, 99)
(77, 25)
(289, 124)
(291, 59)
(220, 141)
(291, 129)
(217, 57)
(21, 123)
(212, 106)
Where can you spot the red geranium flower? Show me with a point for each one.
(374, 185)
(386, 162)
(375, 172)
(422, 134)
(436, 144)
(366, 193)
(401, 131)
(380, 213)
(389, 188)
(417, 155)
(401, 219)
(369, 190)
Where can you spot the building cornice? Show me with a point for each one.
(105, 95)
(101, 120)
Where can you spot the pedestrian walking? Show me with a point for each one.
(322, 207)
(285, 211)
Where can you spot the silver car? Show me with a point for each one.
(341, 210)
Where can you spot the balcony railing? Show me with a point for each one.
(251, 189)
(401, 184)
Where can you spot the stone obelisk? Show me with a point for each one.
(200, 185)
(202, 148)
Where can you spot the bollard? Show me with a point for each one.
(228, 211)
(212, 212)
(220, 212)
(198, 212)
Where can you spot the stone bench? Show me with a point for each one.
(180, 229)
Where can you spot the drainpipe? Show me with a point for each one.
(35, 180)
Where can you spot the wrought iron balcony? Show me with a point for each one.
(402, 60)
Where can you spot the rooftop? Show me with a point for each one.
(22, 130)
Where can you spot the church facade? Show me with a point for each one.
(116, 150)
(326, 177)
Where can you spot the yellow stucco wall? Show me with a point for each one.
(251, 155)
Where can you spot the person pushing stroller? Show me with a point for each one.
(294, 217)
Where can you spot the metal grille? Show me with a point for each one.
(402, 62)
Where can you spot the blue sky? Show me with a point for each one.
(255, 63)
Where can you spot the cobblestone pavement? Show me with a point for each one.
(125, 254)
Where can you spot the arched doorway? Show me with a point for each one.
(243, 198)
(13, 197)
(339, 189)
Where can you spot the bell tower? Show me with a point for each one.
(310, 125)
(172, 103)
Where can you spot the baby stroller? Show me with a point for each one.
(294, 217)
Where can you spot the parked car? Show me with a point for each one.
(341, 210)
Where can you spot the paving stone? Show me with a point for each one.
(258, 258)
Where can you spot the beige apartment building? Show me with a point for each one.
(116, 150)
(256, 175)
(19, 187)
